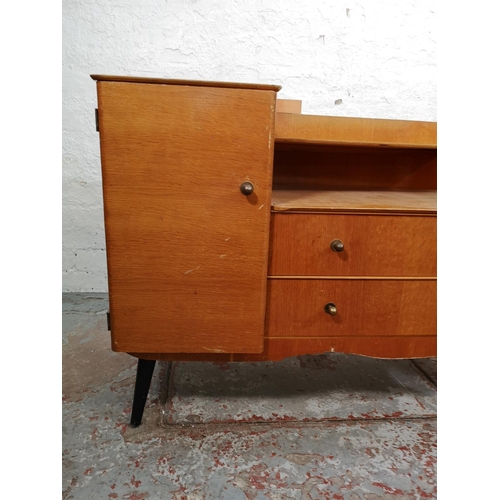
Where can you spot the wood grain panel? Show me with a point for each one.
(365, 308)
(374, 245)
(187, 252)
(420, 202)
(276, 349)
(349, 168)
(313, 129)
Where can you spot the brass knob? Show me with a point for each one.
(246, 188)
(337, 246)
(331, 309)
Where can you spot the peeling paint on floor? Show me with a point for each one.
(305, 388)
(322, 442)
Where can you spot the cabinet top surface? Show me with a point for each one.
(195, 83)
(294, 128)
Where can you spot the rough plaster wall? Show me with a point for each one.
(366, 58)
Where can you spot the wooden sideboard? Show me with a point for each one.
(238, 233)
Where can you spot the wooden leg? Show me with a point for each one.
(145, 368)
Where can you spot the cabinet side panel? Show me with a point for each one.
(187, 251)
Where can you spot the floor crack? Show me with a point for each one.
(292, 423)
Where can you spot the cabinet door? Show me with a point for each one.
(187, 251)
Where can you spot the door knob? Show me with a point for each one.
(331, 309)
(246, 188)
(337, 246)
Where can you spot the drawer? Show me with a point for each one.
(365, 307)
(373, 245)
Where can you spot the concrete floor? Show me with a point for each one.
(327, 426)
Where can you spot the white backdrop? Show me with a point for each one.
(367, 58)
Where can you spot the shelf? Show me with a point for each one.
(288, 200)
(334, 130)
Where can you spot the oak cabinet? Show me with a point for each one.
(239, 232)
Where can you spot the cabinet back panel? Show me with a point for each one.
(352, 168)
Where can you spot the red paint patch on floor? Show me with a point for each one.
(420, 403)
(394, 415)
(135, 482)
(258, 482)
(423, 494)
(136, 496)
(388, 489)
(121, 426)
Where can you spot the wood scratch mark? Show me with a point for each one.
(222, 256)
(212, 349)
(227, 239)
(261, 206)
(191, 270)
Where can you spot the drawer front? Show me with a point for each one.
(296, 308)
(373, 245)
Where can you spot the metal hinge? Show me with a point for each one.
(97, 120)
(108, 317)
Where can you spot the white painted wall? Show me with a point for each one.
(377, 57)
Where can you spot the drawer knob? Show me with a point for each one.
(331, 309)
(246, 188)
(337, 246)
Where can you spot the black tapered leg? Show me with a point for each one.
(145, 368)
